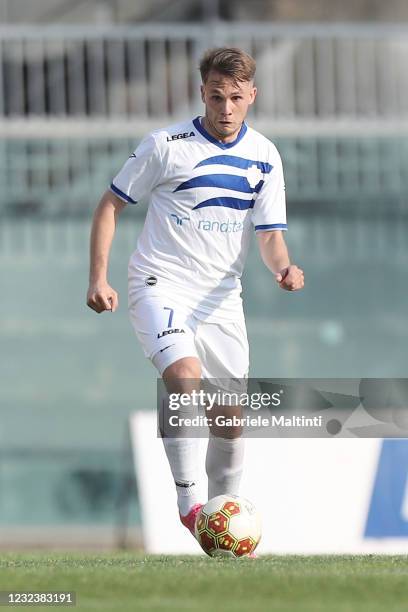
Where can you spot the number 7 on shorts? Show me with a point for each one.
(170, 315)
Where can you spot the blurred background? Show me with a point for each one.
(81, 81)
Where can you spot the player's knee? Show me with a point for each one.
(226, 422)
(182, 372)
(227, 433)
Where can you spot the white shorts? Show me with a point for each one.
(169, 331)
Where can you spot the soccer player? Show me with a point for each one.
(211, 182)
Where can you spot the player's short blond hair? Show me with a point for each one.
(229, 61)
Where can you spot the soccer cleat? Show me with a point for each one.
(189, 520)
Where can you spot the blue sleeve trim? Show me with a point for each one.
(122, 195)
(271, 226)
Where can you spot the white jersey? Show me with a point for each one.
(206, 199)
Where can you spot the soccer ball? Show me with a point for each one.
(228, 526)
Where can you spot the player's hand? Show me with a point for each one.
(102, 297)
(290, 278)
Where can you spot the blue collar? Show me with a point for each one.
(222, 145)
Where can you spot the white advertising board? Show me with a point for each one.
(314, 495)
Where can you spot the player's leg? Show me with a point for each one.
(183, 377)
(225, 455)
(168, 341)
(226, 352)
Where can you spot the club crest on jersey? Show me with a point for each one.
(248, 181)
(254, 176)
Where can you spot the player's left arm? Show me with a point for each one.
(275, 256)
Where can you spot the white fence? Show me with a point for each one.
(304, 71)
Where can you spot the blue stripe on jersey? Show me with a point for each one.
(122, 195)
(222, 145)
(236, 203)
(223, 181)
(271, 226)
(236, 162)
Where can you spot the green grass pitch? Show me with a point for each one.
(129, 582)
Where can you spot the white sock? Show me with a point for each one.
(182, 456)
(224, 465)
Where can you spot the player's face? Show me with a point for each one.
(226, 105)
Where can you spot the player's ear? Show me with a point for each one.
(253, 93)
(202, 93)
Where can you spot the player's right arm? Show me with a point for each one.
(138, 176)
(100, 294)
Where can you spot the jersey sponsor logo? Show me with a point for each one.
(151, 281)
(166, 332)
(179, 220)
(249, 184)
(208, 225)
(225, 227)
(180, 136)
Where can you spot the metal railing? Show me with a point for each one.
(75, 101)
(304, 71)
